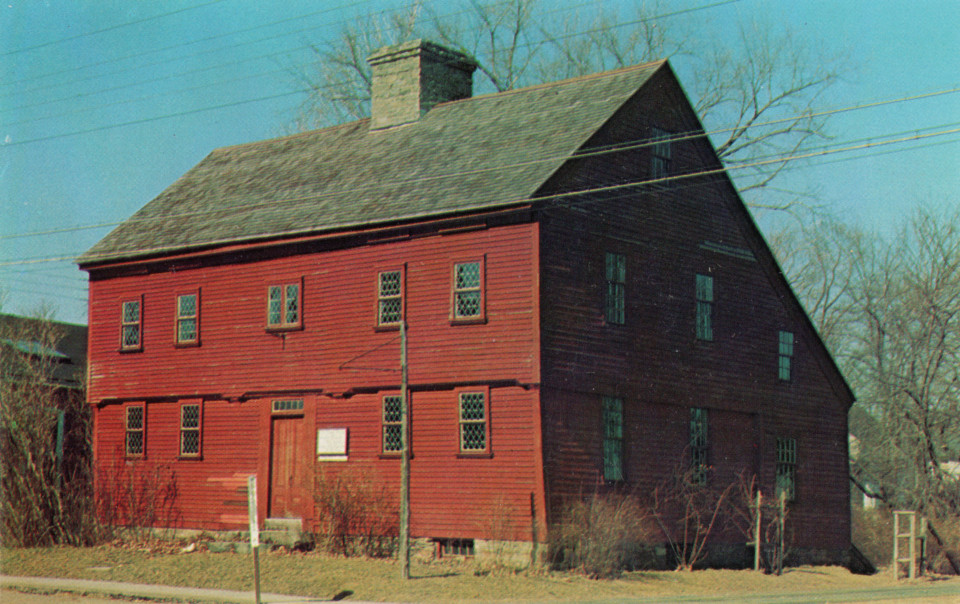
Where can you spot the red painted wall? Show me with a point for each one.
(341, 365)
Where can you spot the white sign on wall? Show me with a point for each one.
(332, 444)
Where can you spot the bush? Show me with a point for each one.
(354, 516)
(134, 497)
(600, 537)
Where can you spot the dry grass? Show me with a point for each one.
(324, 576)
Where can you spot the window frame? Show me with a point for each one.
(699, 445)
(705, 293)
(611, 443)
(195, 341)
(185, 429)
(284, 324)
(615, 294)
(297, 409)
(785, 469)
(487, 451)
(785, 350)
(380, 298)
(481, 288)
(398, 424)
(138, 347)
(142, 430)
(661, 153)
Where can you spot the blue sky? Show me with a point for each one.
(104, 103)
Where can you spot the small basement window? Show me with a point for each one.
(454, 547)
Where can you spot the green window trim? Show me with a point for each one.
(614, 304)
(612, 421)
(188, 319)
(284, 306)
(468, 299)
(135, 429)
(389, 298)
(785, 355)
(474, 422)
(786, 468)
(190, 429)
(131, 324)
(392, 425)
(705, 300)
(699, 445)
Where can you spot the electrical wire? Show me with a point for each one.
(594, 151)
(556, 196)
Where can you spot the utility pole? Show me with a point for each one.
(404, 458)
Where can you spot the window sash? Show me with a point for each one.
(188, 318)
(390, 297)
(190, 426)
(474, 437)
(661, 153)
(699, 445)
(392, 419)
(612, 418)
(134, 430)
(468, 290)
(704, 321)
(130, 324)
(785, 356)
(616, 277)
(786, 468)
(283, 305)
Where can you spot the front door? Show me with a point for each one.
(288, 467)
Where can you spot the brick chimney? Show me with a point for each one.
(410, 78)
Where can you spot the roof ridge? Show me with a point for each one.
(580, 78)
(291, 136)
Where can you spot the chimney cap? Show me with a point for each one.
(441, 54)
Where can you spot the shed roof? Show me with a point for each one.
(474, 154)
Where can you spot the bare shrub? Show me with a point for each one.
(686, 508)
(135, 497)
(45, 497)
(600, 536)
(354, 516)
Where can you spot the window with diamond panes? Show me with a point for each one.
(390, 298)
(698, 446)
(660, 152)
(704, 308)
(473, 422)
(190, 430)
(392, 424)
(786, 481)
(188, 317)
(612, 438)
(468, 290)
(130, 325)
(135, 427)
(616, 277)
(785, 356)
(283, 306)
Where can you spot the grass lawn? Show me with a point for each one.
(324, 576)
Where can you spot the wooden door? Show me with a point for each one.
(289, 483)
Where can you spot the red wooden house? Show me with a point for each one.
(587, 301)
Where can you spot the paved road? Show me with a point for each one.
(923, 593)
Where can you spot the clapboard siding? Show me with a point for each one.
(668, 233)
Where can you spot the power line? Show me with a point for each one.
(106, 29)
(564, 195)
(619, 147)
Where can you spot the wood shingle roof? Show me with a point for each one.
(474, 154)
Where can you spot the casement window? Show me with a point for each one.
(612, 418)
(468, 294)
(190, 429)
(135, 428)
(284, 303)
(474, 422)
(131, 325)
(785, 356)
(392, 424)
(786, 479)
(698, 446)
(614, 304)
(704, 308)
(390, 298)
(188, 319)
(661, 153)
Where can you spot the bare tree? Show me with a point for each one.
(758, 97)
(890, 311)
